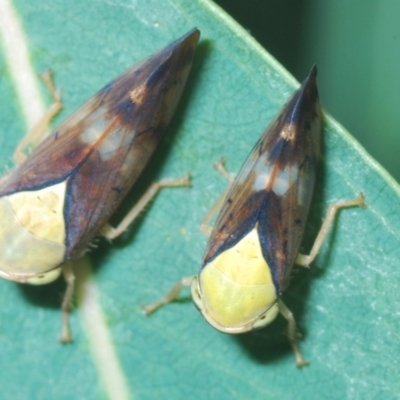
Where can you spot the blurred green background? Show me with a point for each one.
(356, 45)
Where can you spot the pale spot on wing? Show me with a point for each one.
(261, 182)
(94, 132)
(113, 142)
(283, 180)
(110, 142)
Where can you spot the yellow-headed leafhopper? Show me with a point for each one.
(256, 238)
(62, 195)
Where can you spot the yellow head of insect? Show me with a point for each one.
(33, 235)
(235, 292)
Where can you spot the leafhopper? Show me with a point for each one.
(63, 193)
(256, 238)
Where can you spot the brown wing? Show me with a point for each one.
(274, 188)
(103, 147)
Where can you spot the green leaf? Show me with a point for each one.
(346, 305)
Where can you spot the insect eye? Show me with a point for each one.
(267, 317)
(196, 295)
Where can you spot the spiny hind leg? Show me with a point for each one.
(305, 260)
(111, 233)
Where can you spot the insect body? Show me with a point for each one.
(257, 235)
(63, 194)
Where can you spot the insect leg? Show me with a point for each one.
(39, 131)
(205, 228)
(111, 233)
(67, 302)
(170, 297)
(305, 260)
(220, 167)
(292, 334)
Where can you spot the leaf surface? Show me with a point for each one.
(347, 305)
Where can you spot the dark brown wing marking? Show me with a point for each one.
(274, 188)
